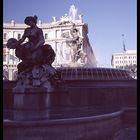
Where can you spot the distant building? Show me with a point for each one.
(127, 58)
(58, 34)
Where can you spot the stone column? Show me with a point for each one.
(33, 104)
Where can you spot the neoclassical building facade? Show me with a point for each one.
(60, 34)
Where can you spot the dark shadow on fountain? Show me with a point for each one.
(84, 92)
(95, 103)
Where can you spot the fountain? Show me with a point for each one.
(66, 103)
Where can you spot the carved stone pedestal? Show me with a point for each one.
(34, 104)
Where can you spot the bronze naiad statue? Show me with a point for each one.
(35, 69)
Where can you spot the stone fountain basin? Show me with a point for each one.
(76, 128)
(92, 107)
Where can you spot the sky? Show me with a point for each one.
(107, 20)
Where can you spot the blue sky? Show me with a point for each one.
(107, 20)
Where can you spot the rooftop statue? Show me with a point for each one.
(36, 69)
(73, 12)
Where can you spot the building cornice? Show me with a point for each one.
(129, 52)
(42, 25)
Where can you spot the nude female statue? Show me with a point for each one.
(34, 51)
(37, 57)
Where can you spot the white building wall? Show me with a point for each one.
(123, 59)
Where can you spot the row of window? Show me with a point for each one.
(119, 62)
(125, 57)
(58, 34)
(19, 36)
(6, 37)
